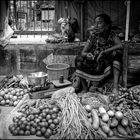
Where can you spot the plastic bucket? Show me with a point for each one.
(55, 70)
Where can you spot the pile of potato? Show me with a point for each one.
(11, 96)
(109, 122)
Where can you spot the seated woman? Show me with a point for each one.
(102, 52)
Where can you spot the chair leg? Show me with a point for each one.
(93, 86)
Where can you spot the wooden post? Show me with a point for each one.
(126, 46)
(125, 64)
(127, 20)
(81, 21)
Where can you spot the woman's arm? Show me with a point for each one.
(115, 47)
(87, 47)
(118, 45)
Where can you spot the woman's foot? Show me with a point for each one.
(115, 91)
(83, 92)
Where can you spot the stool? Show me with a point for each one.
(95, 79)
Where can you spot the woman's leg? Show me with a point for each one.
(84, 85)
(116, 75)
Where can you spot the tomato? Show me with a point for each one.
(40, 118)
(35, 125)
(50, 106)
(2, 93)
(55, 109)
(21, 132)
(47, 110)
(56, 121)
(52, 126)
(27, 127)
(11, 127)
(43, 120)
(33, 131)
(23, 127)
(48, 117)
(38, 133)
(3, 102)
(50, 121)
(27, 133)
(47, 135)
(49, 131)
(54, 132)
(37, 120)
(42, 124)
(46, 124)
(43, 130)
(23, 119)
(1, 98)
(50, 111)
(38, 128)
(41, 107)
(54, 116)
(15, 132)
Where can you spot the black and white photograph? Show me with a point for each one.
(69, 69)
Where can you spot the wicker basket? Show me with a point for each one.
(55, 70)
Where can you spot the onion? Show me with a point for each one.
(88, 108)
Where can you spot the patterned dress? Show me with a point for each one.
(98, 44)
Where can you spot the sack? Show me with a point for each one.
(6, 34)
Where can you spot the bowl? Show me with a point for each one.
(37, 79)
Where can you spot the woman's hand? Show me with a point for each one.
(89, 56)
(100, 55)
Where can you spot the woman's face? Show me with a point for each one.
(100, 25)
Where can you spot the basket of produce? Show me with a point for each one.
(37, 79)
(55, 70)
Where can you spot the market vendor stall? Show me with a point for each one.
(66, 116)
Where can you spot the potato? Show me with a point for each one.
(124, 122)
(102, 110)
(105, 117)
(114, 122)
(121, 130)
(110, 113)
(119, 115)
(110, 133)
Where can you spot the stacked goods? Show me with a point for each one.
(12, 96)
(39, 117)
(13, 81)
(128, 102)
(74, 123)
(129, 98)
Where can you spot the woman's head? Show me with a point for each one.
(102, 22)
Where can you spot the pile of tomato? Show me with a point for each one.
(42, 121)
